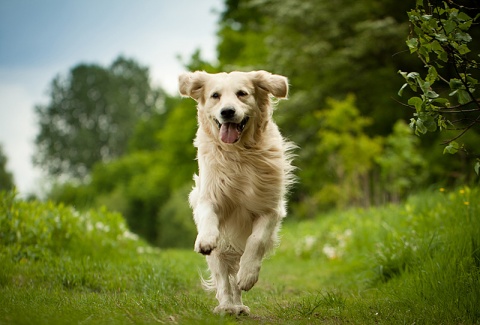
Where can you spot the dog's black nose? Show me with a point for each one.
(227, 112)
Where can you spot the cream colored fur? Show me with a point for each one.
(238, 200)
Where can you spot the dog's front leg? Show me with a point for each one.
(207, 225)
(256, 247)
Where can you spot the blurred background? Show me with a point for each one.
(90, 116)
(41, 40)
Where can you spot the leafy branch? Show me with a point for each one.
(439, 36)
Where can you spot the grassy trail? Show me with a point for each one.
(416, 263)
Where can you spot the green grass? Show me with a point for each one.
(418, 262)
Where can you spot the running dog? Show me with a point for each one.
(245, 171)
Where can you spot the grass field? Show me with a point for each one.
(414, 263)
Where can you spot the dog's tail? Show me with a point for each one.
(207, 284)
(289, 169)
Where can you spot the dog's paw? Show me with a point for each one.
(237, 310)
(206, 243)
(247, 276)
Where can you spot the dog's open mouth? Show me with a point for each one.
(231, 132)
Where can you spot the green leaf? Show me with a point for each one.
(477, 168)
(420, 126)
(400, 92)
(443, 56)
(463, 96)
(428, 121)
(430, 124)
(436, 46)
(413, 75)
(452, 148)
(472, 82)
(441, 37)
(412, 44)
(432, 75)
(463, 37)
(417, 102)
(463, 49)
(425, 52)
(455, 84)
(449, 26)
(442, 101)
(431, 94)
(425, 86)
(464, 17)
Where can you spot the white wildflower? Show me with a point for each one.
(330, 251)
(129, 235)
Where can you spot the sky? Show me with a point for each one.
(42, 39)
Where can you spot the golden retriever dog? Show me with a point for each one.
(245, 170)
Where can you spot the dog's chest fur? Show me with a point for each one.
(250, 178)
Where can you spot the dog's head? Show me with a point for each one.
(233, 106)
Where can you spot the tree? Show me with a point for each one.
(145, 180)
(402, 164)
(349, 153)
(327, 49)
(91, 116)
(446, 92)
(148, 183)
(6, 178)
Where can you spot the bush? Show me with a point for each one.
(36, 230)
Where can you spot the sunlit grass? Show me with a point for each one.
(418, 262)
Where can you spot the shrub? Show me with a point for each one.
(37, 230)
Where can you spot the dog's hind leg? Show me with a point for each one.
(241, 309)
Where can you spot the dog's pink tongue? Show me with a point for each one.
(229, 132)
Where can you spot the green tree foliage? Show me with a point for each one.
(347, 152)
(91, 116)
(402, 165)
(146, 180)
(328, 50)
(447, 92)
(354, 168)
(6, 178)
(148, 184)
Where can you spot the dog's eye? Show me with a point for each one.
(241, 93)
(215, 95)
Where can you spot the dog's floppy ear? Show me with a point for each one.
(192, 84)
(274, 84)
